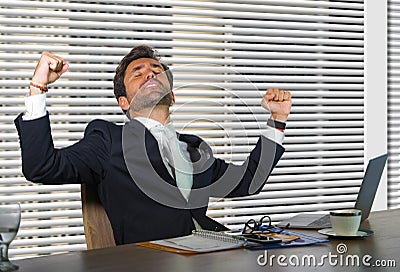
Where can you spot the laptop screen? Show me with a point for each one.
(369, 185)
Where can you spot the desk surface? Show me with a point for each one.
(383, 246)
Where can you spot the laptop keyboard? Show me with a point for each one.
(324, 221)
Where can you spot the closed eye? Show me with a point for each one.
(157, 68)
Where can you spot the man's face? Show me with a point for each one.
(146, 84)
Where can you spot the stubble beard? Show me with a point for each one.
(146, 102)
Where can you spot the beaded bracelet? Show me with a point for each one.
(39, 86)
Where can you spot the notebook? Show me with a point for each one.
(198, 242)
(364, 200)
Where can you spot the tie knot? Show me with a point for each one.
(168, 128)
(165, 135)
(170, 131)
(157, 129)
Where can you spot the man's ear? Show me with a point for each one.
(172, 98)
(123, 103)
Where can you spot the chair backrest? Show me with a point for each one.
(98, 231)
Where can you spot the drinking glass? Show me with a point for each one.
(10, 217)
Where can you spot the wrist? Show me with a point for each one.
(37, 88)
(35, 91)
(279, 117)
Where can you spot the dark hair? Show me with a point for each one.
(138, 52)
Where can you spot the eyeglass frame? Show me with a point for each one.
(259, 228)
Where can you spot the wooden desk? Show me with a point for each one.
(383, 245)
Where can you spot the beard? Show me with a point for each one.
(144, 101)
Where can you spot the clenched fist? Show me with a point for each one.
(278, 102)
(49, 68)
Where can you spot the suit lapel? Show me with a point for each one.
(153, 152)
(201, 157)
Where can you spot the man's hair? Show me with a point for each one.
(138, 52)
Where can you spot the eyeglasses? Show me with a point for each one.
(263, 225)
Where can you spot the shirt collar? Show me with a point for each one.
(148, 122)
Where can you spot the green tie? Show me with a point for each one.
(183, 167)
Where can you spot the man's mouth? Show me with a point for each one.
(152, 83)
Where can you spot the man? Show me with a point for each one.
(144, 188)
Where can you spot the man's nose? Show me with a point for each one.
(150, 74)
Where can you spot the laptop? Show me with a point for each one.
(364, 200)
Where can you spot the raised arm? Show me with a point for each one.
(249, 178)
(82, 162)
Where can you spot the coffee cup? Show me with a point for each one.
(345, 222)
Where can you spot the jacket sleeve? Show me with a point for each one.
(82, 162)
(231, 180)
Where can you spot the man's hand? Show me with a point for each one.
(278, 102)
(49, 68)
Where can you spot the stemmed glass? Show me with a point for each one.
(10, 217)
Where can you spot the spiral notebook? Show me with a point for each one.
(198, 242)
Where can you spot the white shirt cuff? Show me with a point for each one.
(35, 107)
(273, 134)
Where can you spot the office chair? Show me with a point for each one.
(98, 231)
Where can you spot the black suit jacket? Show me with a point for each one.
(139, 195)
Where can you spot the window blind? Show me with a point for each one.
(224, 55)
(394, 103)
